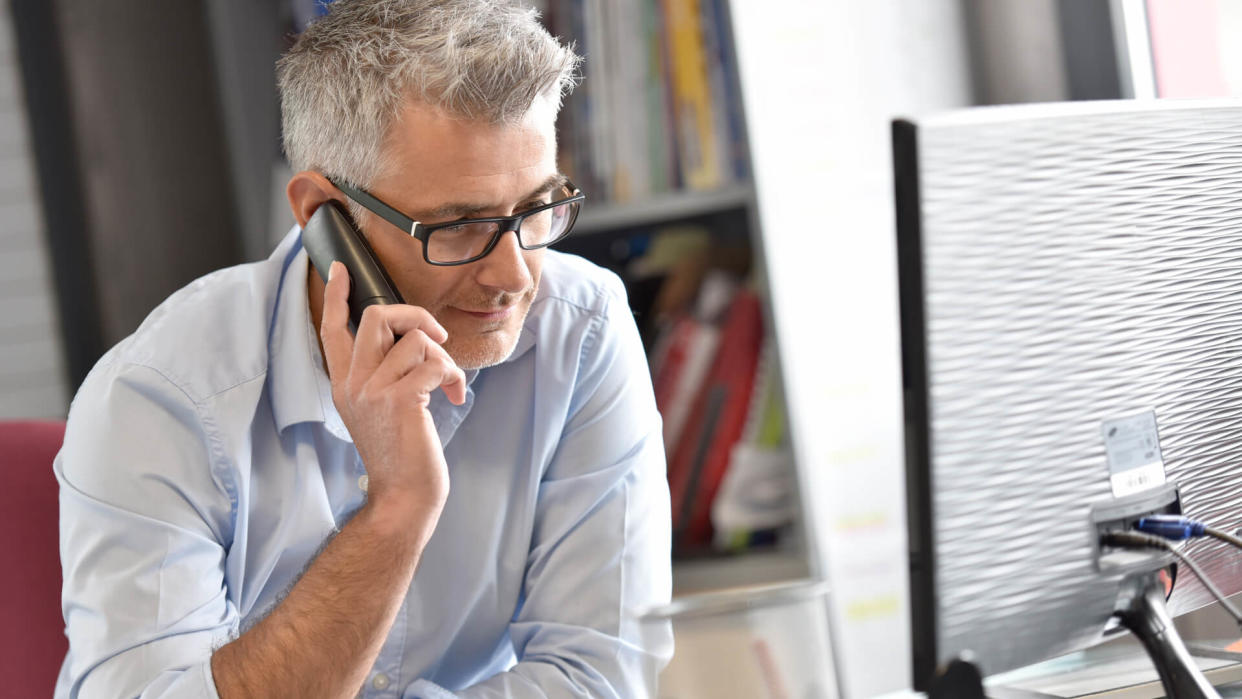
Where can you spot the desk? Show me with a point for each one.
(1118, 670)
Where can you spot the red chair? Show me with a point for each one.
(32, 630)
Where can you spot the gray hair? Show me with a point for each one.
(343, 83)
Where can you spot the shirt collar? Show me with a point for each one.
(293, 354)
(299, 386)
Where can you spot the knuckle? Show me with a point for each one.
(372, 312)
(440, 364)
(366, 397)
(438, 352)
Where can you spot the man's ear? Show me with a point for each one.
(306, 191)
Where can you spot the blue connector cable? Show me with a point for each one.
(1179, 528)
(1172, 527)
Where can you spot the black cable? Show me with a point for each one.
(1133, 540)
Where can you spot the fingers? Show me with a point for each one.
(454, 386)
(436, 372)
(381, 326)
(416, 353)
(338, 343)
(374, 356)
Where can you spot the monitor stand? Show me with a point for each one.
(1145, 615)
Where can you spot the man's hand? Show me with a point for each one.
(324, 637)
(382, 385)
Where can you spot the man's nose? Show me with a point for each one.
(505, 267)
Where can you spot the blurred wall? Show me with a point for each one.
(132, 159)
(824, 181)
(32, 371)
(246, 42)
(154, 160)
(1231, 47)
(1042, 50)
(1016, 51)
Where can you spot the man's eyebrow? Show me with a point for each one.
(471, 210)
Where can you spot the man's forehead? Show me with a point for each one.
(477, 207)
(440, 161)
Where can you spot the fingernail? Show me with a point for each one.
(332, 269)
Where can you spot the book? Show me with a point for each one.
(715, 424)
(662, 155)
(726, 90)
(628, 85)
(659, 109)
(694, 121)
(684, 364)
(757, 497)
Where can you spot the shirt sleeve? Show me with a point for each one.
(600, 551)
(142, 521)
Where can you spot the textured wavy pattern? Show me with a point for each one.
(1078, 267)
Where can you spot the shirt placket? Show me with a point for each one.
(385, 677)
(384, 680)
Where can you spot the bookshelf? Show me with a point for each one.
(662, 208)
(655, 135)
(697, 575)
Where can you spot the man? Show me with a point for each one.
(465, 497)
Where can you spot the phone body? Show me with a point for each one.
(330, 235)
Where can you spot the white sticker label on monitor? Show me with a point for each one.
(1135, 462)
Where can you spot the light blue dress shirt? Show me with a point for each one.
(204, 466)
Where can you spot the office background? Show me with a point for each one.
(140, 150)
(140, 141)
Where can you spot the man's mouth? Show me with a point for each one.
(490, 315)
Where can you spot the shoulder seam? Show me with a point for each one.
(215, 448)
(179, 383)
(600, 309)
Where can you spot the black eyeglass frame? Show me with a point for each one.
(422, 232)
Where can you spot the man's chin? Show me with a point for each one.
(474, 346)
(482, 351)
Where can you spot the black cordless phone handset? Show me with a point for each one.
(331, 235)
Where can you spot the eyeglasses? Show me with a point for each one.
(466, 240)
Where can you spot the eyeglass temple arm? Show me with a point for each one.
(378, 207)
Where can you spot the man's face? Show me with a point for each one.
(447, 169)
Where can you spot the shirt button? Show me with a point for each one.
(380, 681)
(363, 482)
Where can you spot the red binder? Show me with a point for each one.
(698, 464)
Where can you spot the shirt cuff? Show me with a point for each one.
(208, 679)
(194, 682)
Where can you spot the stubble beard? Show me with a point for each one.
(491, 347)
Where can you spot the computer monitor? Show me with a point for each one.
(1071, 297)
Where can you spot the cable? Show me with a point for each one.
(1141, 540)
(1171, 527)
(1223, 536)
(1177, 528)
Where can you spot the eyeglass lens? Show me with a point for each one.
(469, 240)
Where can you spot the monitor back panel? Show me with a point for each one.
(1075, 264)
